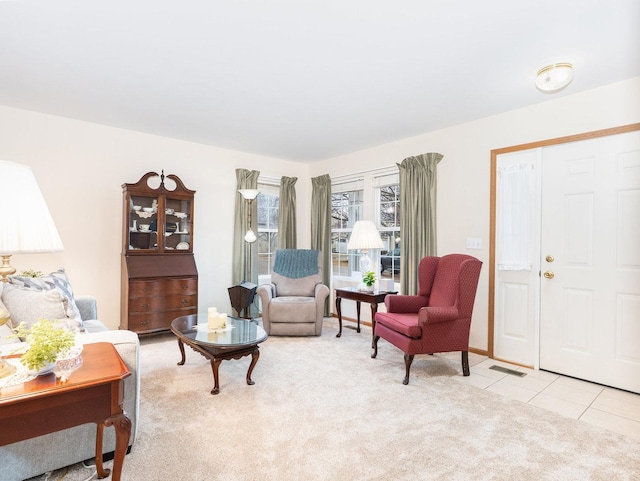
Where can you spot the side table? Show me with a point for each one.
(93, 393)
(353, 293)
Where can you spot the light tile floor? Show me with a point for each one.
(602, 406)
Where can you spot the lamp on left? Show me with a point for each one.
(249, 195)
(27, 225)
(242, 295)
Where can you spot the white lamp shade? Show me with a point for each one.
(365, 236)
(249, 194)
(26, 223)
(250, 236)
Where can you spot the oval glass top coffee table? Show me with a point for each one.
(240, 338)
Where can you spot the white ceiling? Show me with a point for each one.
(303, 79)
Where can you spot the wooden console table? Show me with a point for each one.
(353, 293)
(93, 393)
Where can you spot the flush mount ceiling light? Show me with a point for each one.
(554, 77)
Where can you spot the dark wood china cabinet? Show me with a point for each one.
(159, 274)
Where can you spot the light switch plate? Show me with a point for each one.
(474, 243)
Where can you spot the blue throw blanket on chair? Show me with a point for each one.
(296, 263)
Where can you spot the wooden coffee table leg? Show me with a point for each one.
(255, 355)
(215, 365)
(339, 312)
(181, 347)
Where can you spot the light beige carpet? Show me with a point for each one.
(322, 409)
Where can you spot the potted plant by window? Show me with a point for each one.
(369, 279)
(46, 342)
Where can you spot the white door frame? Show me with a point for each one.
(492, 217)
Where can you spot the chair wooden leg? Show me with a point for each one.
(375, 347)
(465, 363)
(408, 359)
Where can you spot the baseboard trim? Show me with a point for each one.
(482, 352)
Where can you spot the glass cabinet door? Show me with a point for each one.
(178, 224)
(143, 223)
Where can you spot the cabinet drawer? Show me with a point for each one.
(162, 287)
(155, 304)
(147, 322)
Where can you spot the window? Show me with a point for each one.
(389, 225)
(267, 243)
(346, 209)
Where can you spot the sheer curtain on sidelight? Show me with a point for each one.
(514, 216)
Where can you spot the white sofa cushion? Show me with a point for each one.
(28, 306)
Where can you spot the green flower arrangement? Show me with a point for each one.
(46, 340)
(369, 278)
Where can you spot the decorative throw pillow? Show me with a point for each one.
(27, 305)
(54, 281)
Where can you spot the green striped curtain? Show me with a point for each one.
(287, 225)
(321, 226)
(418, 176)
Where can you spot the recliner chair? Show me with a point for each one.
(293, 303)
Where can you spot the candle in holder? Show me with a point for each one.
(215, 319)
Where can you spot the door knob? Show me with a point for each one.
(549, 259)
(549, 274)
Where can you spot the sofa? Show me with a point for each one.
(46, 453)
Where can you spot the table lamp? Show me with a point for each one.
(365, 236)
(27, 225)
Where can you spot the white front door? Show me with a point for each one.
(590, 260)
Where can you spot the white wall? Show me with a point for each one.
(464, 172)
(81, 167)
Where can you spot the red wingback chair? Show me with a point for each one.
(438, 318)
